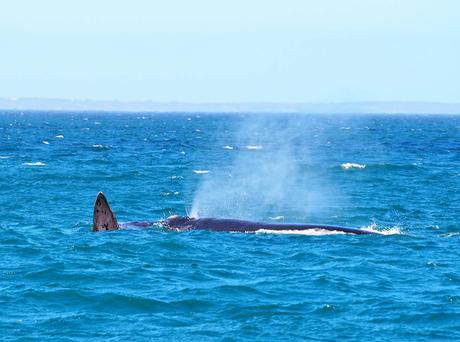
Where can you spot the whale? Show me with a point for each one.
(104, 219)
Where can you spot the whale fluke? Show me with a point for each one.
(103, 216)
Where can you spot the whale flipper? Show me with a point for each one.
(103, 216)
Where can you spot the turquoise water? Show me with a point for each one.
(396, 174)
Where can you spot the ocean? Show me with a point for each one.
(398, 174)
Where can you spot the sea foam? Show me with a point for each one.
(385, 231)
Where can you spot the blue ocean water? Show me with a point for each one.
(399, 174)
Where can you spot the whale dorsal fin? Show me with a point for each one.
(103, 216)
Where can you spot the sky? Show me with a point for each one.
(205, 51)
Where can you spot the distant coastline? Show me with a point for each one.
(49, 104)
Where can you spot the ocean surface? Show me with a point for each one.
(398, 174)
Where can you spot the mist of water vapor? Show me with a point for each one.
(270, 176)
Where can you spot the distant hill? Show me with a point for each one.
(149, 106)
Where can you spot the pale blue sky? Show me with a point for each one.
(231, 51)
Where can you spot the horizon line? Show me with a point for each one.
(356, 107)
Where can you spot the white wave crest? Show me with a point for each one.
(60, 136)
(45, 142)
(227, 147)
(170, 193)
(448, 235)
(200, 172)
(254, 147)
(348, 166)
(39, 163)
(277, 218)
